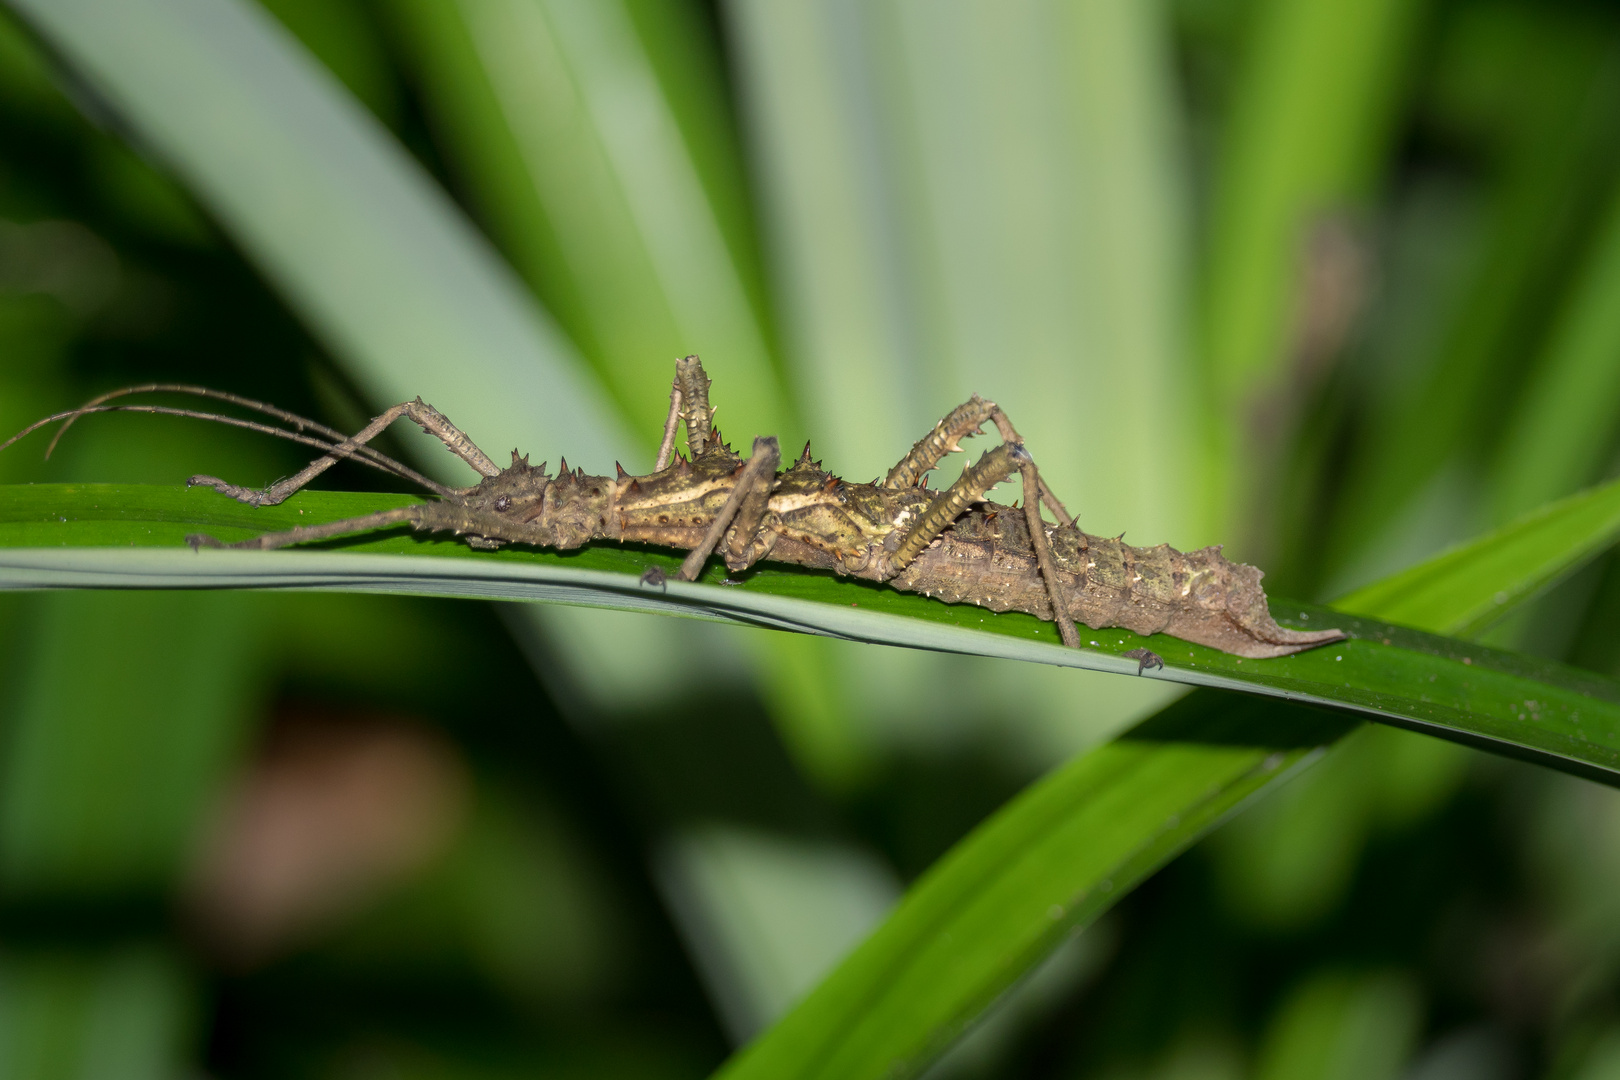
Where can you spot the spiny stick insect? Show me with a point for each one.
(948, 544)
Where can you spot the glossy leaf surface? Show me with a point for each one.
(58, 535)
(1089, 833)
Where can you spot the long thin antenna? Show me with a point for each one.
(377, 460)
(301, 423)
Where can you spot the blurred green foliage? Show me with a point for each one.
(1333, 282)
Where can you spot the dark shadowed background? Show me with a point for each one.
(1334, 282)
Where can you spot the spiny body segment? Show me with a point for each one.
(814, 519)
(951, 545)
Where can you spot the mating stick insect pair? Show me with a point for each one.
(948, 544)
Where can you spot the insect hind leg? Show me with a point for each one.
(958, 424)
(930, 450)
(1009, 434)
(996, 466)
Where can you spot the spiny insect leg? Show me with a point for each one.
(671, 422)
(306, 533)
(957, 425)
(753, 489)
(1010, 435)
(694, 387)
(424, 415)
(931, 449)
(1043, 546)
(749, 542)
(992, 469)
(996, 466)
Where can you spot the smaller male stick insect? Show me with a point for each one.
(952, 545)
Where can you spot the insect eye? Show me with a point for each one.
(503, 503)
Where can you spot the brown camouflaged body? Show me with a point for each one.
(817, 520)
(950, 545)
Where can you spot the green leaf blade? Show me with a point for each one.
(59, 535)
(1560, 435)
(1114, 814)
(352, 232)
(984, 915)
(1199, 744)
(1464, 590)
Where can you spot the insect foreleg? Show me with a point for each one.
(996, 466)
(671, 422)
(426, 416)
(375, 459)
(694, 388)
(307, 533)
(744, 507)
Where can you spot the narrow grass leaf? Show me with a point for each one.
(557, 116)
(1464, 590)
(133, 537)
(1308, 132)
(353, 233)
(1051, 860)
(1564, 427)
(1546, 132)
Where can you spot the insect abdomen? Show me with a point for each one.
(1198, 596)
(1201, 596)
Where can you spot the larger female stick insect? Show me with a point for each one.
(950, 544)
